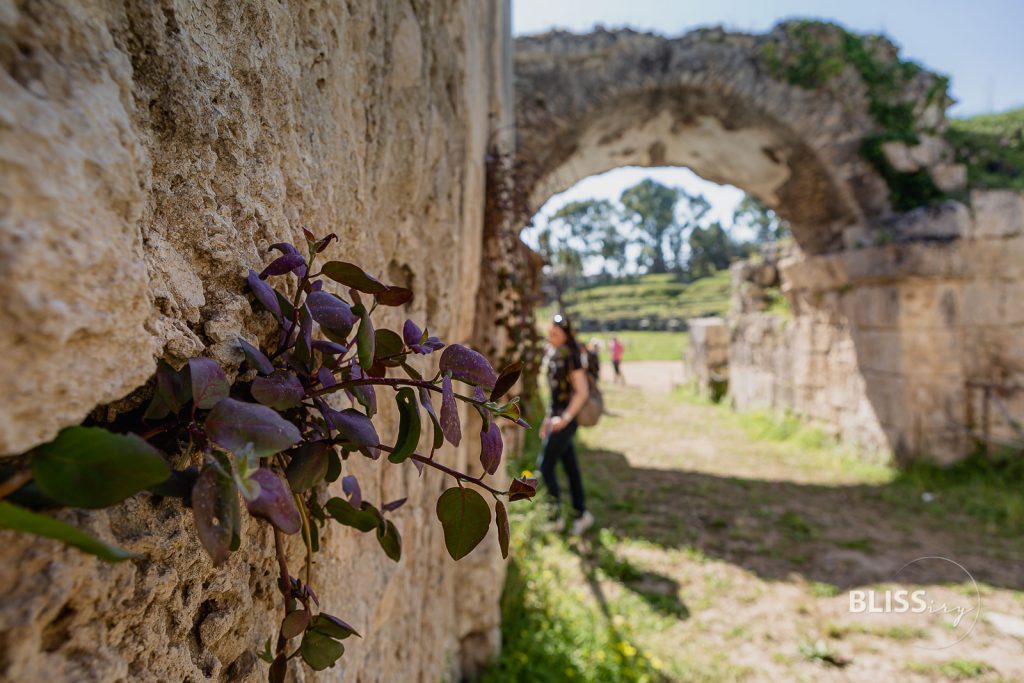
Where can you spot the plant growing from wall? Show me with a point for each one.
(273, 441)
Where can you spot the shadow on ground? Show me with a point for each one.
(841, 535)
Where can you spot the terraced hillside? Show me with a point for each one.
(653, 302)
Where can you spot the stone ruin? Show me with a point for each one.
(903, 289)
(151, 153)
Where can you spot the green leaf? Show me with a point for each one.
(408, 425)
(266, 655)
(294, 623)
(333, 466)
(365, 518)
(501, 522)
(390, 540)
(465, 518)
(308, 466)
(353, 276)
(320, 651)
(19, 519)
(387, 345)
(234, 425)
(89, 467)
(366, 340)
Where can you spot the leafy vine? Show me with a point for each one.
(275, 440)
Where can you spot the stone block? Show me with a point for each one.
(949, 177)
(997, 213)
(944, 221)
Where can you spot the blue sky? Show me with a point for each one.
(978, 43)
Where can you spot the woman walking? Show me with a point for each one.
(567, 381)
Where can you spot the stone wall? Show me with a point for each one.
(707, 355)
(911, 347)
(149, 155)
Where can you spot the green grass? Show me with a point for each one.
(552, 630)
(992, 146)
(988, 490)
(643, 345)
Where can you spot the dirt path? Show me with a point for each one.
(744, 553)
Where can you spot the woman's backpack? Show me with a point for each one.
(592, 410)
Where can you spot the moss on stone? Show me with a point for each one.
(819, 52)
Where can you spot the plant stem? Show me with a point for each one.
(15, 482)
(459, 476)
(285, 584)
(392, 382)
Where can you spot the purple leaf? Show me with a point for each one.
(333, 626)
(350, 485)
(257, 359)
(283, 264)
(264, 293)
(173, 386)
(466, 365)
(322, 244)
(236, 426)
(490, 449)
(209, 385)
(411, 333)
(357, 429)
(429, 407)
(330, 348)
(501, 522)
(353, 276)
(506, 380)
(326, 377)
(394, 296)
(331, 312)
(281, 390)
(450, 424)
(216, 513)
(285, 247)
(394, 505)
(294, 623)
(365, 394)
(522, 489)
(275, 502)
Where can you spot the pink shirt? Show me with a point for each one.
(617, 349)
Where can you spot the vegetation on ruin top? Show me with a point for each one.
(992, 147)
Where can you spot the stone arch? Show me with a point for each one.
(708, 100)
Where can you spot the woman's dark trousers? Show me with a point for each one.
(558, 448)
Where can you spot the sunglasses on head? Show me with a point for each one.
(561, 321)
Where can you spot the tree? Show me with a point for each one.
(753, 214)
(690, 213)
(593, 225)
(711, 249)
(651, 208)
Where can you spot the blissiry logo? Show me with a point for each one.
(959, 615)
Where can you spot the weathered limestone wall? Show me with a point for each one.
(149, 155)
(912, 347)
(707, 355)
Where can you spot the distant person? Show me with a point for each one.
(617, 349)
(592, 361)
(567, 380)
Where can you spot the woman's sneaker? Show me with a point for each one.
(582, 523)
